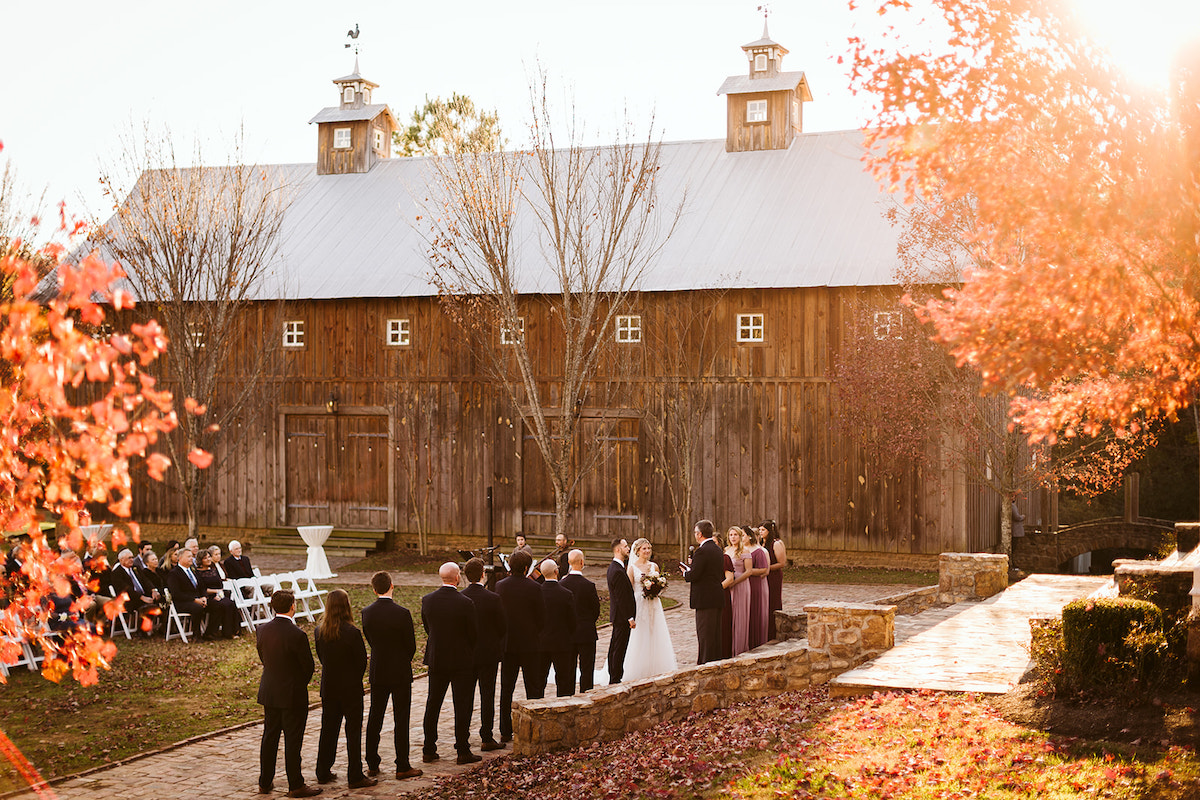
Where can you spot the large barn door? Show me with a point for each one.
(336, 470)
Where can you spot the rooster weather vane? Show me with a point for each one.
(352, 35)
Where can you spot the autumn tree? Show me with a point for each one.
(198, 245)
(449, 126)
(561, 226)
(77, 409)
(1081, 301)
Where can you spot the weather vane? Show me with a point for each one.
(352, 35)
(764, 8)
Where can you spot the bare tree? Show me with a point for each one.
(198, 245)
(20, 211)
(594, 212)
(683, 349)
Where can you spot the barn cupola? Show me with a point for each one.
(355, 134)
(764, 107)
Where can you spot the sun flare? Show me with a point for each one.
(1143, 37)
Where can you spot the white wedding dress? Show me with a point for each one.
(650, 650)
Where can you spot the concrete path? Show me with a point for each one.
(968, 647)
(226, 765)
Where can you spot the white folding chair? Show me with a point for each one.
(182, 623)
(120, 624)
(251, 602)
(306, 589)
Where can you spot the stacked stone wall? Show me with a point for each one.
(970, 576)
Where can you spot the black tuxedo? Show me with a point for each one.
(622, 607)
(525, 611)
(489, 649)
(449, 619)
(587, 612)
(184, 596)
(343, 662)
(283, 693)
(556, 640)
(389, 629)
(707, 598)
(123, 581)
(237, 567)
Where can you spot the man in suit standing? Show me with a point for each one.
(525, 612)
(707, 597)
(188, 596)
(587, 611)
(556, 642)
(283, 693)
(561, 550)
(389, 630)
(449, 619)
(489, 649)
(622, 610)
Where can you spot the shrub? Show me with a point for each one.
(1110, 642)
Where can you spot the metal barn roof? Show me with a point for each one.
(744, 84)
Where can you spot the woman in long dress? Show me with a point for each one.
(650, 650)
(778, 555)
(739, 590)
(759, 593)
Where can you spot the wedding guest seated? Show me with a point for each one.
(215, 551)
(139, 560)
(224, 619)
(170, 560)
(193, 545)
(188, 595)
(69, 601)
(237, 565)
(126, 580)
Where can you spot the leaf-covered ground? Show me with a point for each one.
(915, 746)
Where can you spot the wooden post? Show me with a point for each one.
(1132, 512)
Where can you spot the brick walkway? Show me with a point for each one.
(226, 765)
(968, 647)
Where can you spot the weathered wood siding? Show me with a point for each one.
(420, 433)
(782, 124)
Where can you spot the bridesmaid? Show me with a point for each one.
(778, 555)
(727, 612)
(739, 590)
(759, 595)
(343, 657)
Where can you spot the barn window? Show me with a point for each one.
(750, 328)
(889, 325)
(512, 336)
(398, 333)
(378, 140)
(341, 138)
(347, 94)
(293, 333)
(366, 94)
(629, 328)
(756, 111)
(760, 62)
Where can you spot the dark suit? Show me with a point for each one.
(587, 611)
(526, 614)
(449, 619)
(343, 662)
(489, 649)
(283, 693)
(556, 640)
(389, 629)
(122, 580)
(707, 598)
(621, 608)
(237, 567)
(184, 595)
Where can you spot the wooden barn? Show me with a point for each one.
(381, 420)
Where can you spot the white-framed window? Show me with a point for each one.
(629, 328)
(760, 62)
(293, 333)
(348, 94)
(196, 333)
(378, 139)
(398, 333)
(756, 111)
(366, 94)
(750, 327)
(888, 325)
(511, 336)
(341, 138)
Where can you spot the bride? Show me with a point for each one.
(650, 649)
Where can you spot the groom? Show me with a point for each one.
(707, 598)
(621, 610)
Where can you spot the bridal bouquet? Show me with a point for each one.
(653, 584)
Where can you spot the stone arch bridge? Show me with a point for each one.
(1045, 552)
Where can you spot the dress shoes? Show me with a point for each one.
(469, 758)
(429, 758)
(372, 771)
(330, 778)
(305, 791)
(506, 737)
(270, 787)
(488, 747)
(402, 774)
(363, 782)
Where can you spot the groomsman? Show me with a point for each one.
(489, 649)
(389, 629)
(622, 608)
(288, 666)
(557, 639)
(587, 611)
(449, 619)
(526, 614)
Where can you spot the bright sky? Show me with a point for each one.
(76, 74)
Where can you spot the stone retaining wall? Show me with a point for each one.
(914, 602)
(852, 633)
(970, 576)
